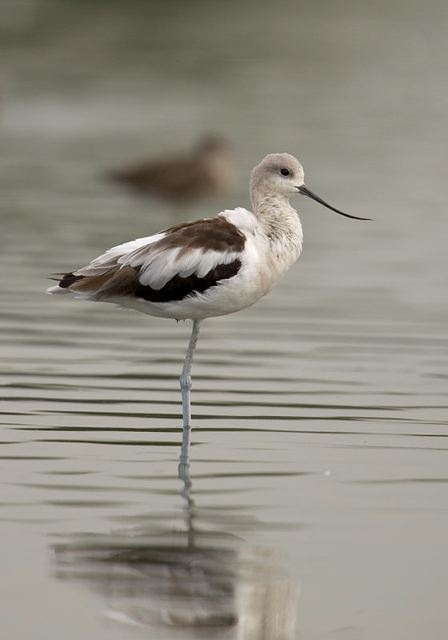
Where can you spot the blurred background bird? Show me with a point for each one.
(185, 177)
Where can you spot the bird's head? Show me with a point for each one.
(282, 175)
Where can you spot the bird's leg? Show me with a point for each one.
(185, 386)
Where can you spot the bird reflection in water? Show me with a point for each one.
(205, 583)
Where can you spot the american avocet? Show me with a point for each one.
(210, 267)
(207, 170)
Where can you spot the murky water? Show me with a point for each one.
(316, 505)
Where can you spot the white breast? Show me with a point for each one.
(264, 259)
(277, 251)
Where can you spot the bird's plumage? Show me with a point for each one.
(186, 271)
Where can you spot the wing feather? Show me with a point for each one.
(190, 249)
(114, 257)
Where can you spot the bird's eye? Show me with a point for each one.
(284, 172)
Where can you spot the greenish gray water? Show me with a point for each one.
(317, 502)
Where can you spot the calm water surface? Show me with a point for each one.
(316, 504)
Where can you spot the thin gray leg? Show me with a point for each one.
(185, 386)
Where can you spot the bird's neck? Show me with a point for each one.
(263, 202)
(279, 219)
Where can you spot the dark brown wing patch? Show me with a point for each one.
(215, 234)
(208, 234)
(121, 282)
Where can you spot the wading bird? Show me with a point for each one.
(183, 178)
(206, 268)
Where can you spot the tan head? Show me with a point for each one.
(279, 176)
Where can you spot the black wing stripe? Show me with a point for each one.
(179, 288)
